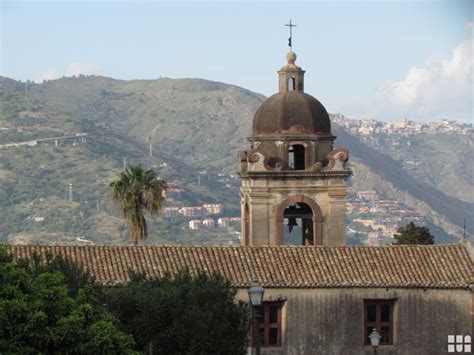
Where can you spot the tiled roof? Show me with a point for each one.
(436, 266)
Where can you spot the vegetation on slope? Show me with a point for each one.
(391, 170)
(195, 128)
(442, 160)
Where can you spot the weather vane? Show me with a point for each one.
(290, 25)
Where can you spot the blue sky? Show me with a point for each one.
(377, 59)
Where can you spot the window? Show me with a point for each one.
(298, 225)
(270, 324)
(378, 314)
(291, 84)
(246, 224)
(296, 157)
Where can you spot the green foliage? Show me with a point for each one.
(412, 234)
(75, 277)
(41, 314)
(182, 315)
(137, 191)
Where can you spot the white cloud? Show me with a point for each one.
(77, 68)
(50, 74)
(74, 68)
(438, 89)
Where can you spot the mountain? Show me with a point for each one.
(439, 160)
(186, 113)
(194, 128)
(439, 207)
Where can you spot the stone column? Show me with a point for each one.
(336, 216)
(259, 219)
(243, 227)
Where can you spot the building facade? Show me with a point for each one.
(319, 300)
(292, 174)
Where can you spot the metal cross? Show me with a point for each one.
(290, 25)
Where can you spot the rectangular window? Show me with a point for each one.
(270, 324)
(378, 314)
(296, 157)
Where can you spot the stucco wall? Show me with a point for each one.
(331, 321)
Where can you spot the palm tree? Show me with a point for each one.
(136, 192)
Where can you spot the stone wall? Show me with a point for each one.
(331, 321)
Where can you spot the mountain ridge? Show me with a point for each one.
(193, 125)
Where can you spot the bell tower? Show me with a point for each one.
(293, 188)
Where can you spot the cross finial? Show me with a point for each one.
(290, 25)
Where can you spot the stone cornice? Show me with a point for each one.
(285, 175)
(319, 137)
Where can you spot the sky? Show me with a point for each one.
(364, 59)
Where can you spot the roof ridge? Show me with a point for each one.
(462, 245)
(439, 266)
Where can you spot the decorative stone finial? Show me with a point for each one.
(291, 57)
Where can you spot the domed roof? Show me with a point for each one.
(291, 113)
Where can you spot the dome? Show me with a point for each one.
(291, 113)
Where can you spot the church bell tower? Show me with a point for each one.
(293, 189)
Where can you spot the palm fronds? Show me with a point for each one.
(136, 192)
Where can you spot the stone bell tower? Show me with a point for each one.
(292, 177)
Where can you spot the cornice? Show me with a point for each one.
(285, 175)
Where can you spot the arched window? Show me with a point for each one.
(298, 225)
(296, 157)
(246, 224)
(299, 221)
(291, 84)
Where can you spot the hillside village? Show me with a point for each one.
(362, 127)
(374, 221)
(403, 126)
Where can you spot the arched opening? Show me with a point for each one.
(299, 221)
(291, 84)
(298, 225)
(246, 224)
(296, 157)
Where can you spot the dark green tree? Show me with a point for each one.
(136, 192)
(41, 314)
(182, 315)
(412, 234)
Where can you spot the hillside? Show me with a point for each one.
(186, 113)
(195, 127)
(444, 210)
(32, 177)
(441, 160)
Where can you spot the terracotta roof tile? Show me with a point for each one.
(435, 266)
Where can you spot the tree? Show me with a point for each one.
(40, 313)
(412, 234)
(182, 315)
(136, 192)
